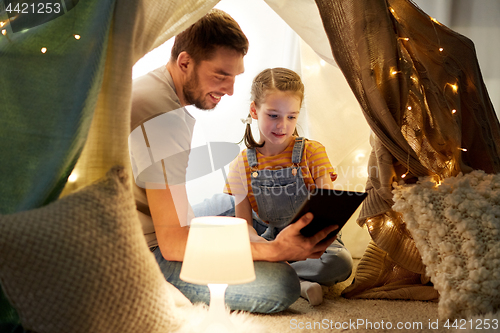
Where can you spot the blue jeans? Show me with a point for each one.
(334, 266)
(275, 288)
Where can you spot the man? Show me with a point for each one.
(204, 62)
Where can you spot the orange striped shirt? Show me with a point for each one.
(314, 164)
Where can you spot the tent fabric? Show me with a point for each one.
(138, 27)
(49, 120)
(45, 113)
(387, 73)
(423, 96)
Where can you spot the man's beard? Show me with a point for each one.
(192, 91)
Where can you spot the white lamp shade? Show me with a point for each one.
(218, 252)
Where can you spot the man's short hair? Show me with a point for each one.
(213, 30)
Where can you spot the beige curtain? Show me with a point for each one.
(138, 27)
(423, 95)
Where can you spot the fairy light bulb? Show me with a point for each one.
(462, 149)
(409, 108)
(454, 87)
(453, 111)
(4, 32)
(441, 49)
(2, 24)
(434, 20)
(43, 50)
(77, 37)
(404, 174)
(72, 178)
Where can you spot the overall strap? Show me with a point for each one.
(251, 157)
(298, 149)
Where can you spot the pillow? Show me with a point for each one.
(456, 228)
(81, 264)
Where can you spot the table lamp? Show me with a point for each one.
(218, 254)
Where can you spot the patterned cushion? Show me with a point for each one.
(81, 264)
(456, 228)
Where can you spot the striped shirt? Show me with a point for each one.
(314, 164)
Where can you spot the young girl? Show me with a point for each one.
(273, 177)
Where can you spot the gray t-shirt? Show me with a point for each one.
(160, 140)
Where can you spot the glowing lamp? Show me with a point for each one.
(218, 254)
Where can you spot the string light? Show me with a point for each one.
(2, 24)
(453, 111)
(389, 223)
(77, 37)
(454, 87)
(441, 49)
(4, 32)
(462, 149)
(409, 108)
(43, 50)
(437, 179)
(434, 20)
(404, 174)
(404, 38)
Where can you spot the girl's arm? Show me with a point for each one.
(243, 210)
(324, 181)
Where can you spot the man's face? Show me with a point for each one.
(211, 79)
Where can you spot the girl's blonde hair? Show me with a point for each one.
(281, 79)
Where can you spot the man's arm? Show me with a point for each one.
(172, 236)
(291, 245)
(171, 232)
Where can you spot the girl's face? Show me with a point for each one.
(277, 117)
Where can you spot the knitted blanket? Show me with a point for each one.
(456, 228)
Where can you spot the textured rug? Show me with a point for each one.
(338, 314)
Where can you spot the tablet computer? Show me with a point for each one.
(329, 207)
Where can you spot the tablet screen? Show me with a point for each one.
(329, 207)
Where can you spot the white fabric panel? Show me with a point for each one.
(303, 17)
(335, 119)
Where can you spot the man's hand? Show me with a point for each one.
(291, 245)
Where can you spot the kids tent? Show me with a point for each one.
(418, 84)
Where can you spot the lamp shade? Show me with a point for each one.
(218, 252)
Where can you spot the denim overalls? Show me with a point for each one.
(279, 193)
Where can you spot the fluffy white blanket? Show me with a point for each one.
(456, 228)
(194, 317)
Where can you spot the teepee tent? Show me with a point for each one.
(417, 84)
